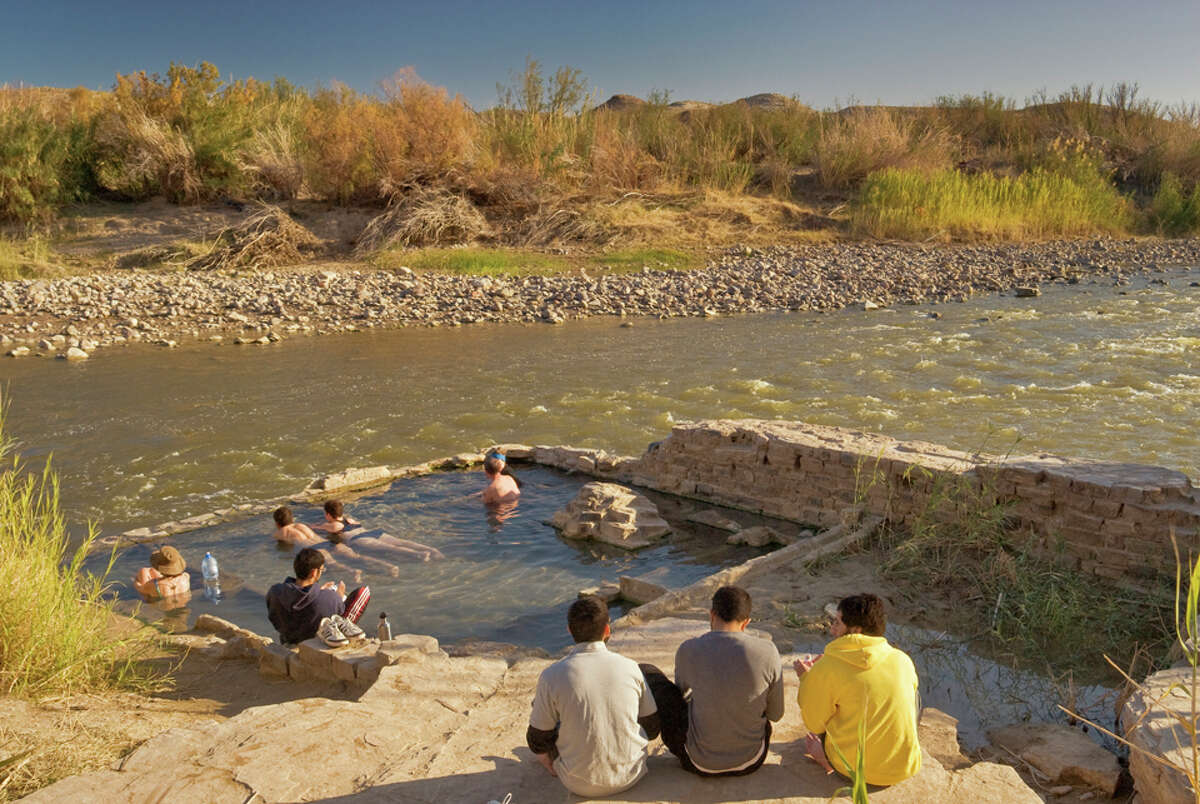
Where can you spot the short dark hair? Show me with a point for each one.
(586, 619)
(283, 516)
(334, 508)
(306, 561)
(731, 604)
(865, 612)
(493, 465)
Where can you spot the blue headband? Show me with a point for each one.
(498, 456)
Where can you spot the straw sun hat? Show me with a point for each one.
(167, 560)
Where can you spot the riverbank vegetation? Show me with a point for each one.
(59, 635)
(1030, 606)
(547, 167)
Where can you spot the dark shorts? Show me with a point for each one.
(673, 717)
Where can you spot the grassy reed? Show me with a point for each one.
(57, 633)
(192, 135)
(947, 204)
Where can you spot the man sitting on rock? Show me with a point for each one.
(736, 686)
(861, 679)
(592, 714)
(300, 609)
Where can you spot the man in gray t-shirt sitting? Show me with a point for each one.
(736, 687)
(592, 713)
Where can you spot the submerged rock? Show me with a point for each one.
(1062, 754)
(613, 514)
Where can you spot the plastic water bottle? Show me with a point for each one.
(384, 632)
(212, 577)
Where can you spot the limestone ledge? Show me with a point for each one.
(440, 728)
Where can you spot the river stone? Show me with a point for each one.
(714, 519)
(1027, 292)
(642, 589)
(18, 351)
(613, 514)
(1064, 755)
(1153, 719)
(74, 353)
(757, 536)
(353, 479)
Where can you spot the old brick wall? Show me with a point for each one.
(1110, 519)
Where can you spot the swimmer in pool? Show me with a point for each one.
(298, 535)
(342, 530)
(503, 486)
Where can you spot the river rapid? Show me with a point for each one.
(142, 435)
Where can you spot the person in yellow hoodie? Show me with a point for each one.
(861, 677)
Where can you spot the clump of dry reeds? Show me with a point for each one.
(272, 160)
(554, 225)
(267, 238)
(423, 217)
(142, 156)
(864, 140)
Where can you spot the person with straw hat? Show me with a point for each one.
(165, 577)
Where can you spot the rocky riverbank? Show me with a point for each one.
(73, 316)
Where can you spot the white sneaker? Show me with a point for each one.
(330, 634)
(348, 629)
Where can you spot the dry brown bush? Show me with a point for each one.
(421, 133)
(273, 161)
(423, 217)
(267, 238)
(141, 156)
(619, 162)
(869, 139)
(555, 224)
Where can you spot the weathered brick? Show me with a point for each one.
(1118, 527)
(1106, 508)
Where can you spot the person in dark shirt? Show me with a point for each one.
(298, 606)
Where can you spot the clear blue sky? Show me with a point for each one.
(892, 51)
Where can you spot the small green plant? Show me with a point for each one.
(858, 772)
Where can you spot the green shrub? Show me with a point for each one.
(1174, 212)
(43, 165)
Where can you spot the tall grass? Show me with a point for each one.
(57, 633)
(914, 205)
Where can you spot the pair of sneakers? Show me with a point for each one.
(337, 630)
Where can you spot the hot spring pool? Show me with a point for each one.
(508, 581)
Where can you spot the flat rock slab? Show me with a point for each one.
(1063, 754)
(440, 729)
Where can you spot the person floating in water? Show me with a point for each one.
(503, 486)
(298, 535)
(344, 530)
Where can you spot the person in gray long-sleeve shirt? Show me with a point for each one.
(736, 686)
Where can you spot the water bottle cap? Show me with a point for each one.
(208, 555)
(382, 614)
